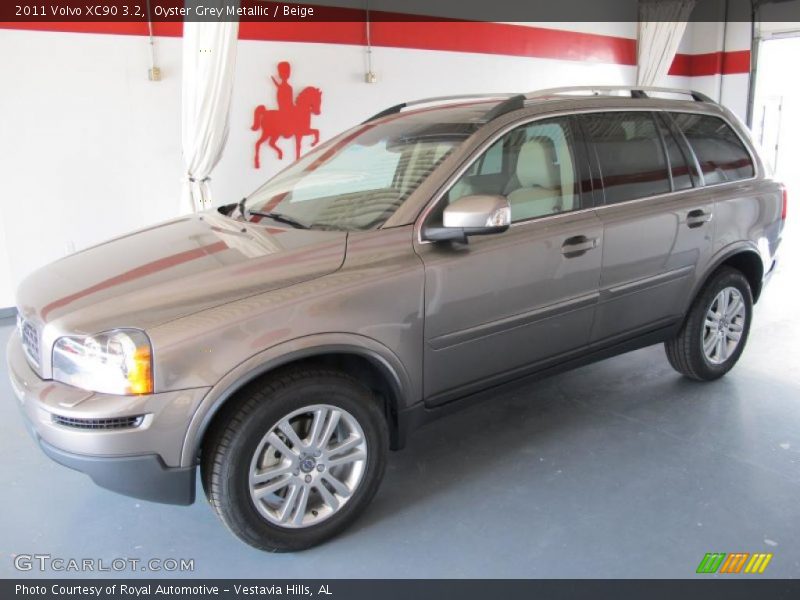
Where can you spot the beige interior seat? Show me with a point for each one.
(540, 179)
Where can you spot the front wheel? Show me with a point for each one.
(715, 331)
(296, 459)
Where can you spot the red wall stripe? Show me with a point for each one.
(513, 40)
(456, 36)
(340, 32)
(737, 61)
(452, 36)
(712, 63)
(681, 65)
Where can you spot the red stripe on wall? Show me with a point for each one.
(712, 63)
(451, 36)
(512, 40)
(341, 32)
(681, 65)
(456, 36)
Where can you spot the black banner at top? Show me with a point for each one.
(173, 11)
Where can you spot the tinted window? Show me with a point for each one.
(678, 163)
(720, 152)
(538, 174)
(631, 157)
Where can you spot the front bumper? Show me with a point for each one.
(141, 461)
(144, 476)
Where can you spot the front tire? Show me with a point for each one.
(715, 332)
(295, 459)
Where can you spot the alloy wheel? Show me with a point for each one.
(724, 325)
(307, 466)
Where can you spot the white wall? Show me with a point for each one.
(703, 38)
(402, 75)
(5, 267)
(93, 147)
(89, 147)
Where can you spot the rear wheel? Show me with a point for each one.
(715, 332)
(296, 460)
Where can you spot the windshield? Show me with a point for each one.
(359, 179)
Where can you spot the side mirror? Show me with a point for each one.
(481, 214)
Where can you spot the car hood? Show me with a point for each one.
(173, 269)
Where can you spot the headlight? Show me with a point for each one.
(113, 362)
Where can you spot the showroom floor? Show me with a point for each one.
(619, 469)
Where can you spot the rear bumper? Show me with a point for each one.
(770, 272)
(141, 460)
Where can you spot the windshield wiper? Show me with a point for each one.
(281, 218)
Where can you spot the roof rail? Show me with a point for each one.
(635, 91)
(506, 106)
(398, 107)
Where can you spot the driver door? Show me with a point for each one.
(504, 305)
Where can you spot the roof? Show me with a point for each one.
(487, 107)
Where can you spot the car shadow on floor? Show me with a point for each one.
(610, 419)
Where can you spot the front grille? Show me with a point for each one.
(113, 423)
(30, 342)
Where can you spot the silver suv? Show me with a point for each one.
(410, 265)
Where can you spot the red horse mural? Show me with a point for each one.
(293, 117)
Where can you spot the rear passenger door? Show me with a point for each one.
(728, 172)
(657, 227)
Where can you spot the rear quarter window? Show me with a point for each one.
(719, 150)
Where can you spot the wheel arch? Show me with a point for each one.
(745, 258)
(364, 358)
(749, 263)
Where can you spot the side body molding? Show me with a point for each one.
(291, 351)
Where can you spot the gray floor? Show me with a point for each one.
(619, 469)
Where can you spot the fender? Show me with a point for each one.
(285, 353)
(720, 257)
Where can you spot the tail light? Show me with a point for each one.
(785, 202)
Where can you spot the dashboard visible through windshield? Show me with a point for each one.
(359, 179)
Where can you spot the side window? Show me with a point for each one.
(491, 163)
(631, 157)
(720, 152)
(534, 166)
(678, 162)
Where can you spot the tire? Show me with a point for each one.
(240, 448)
(686, 351)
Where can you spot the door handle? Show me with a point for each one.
(697, 217)
(578, 245)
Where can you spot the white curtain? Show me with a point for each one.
(209, 61)
(661, 27)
